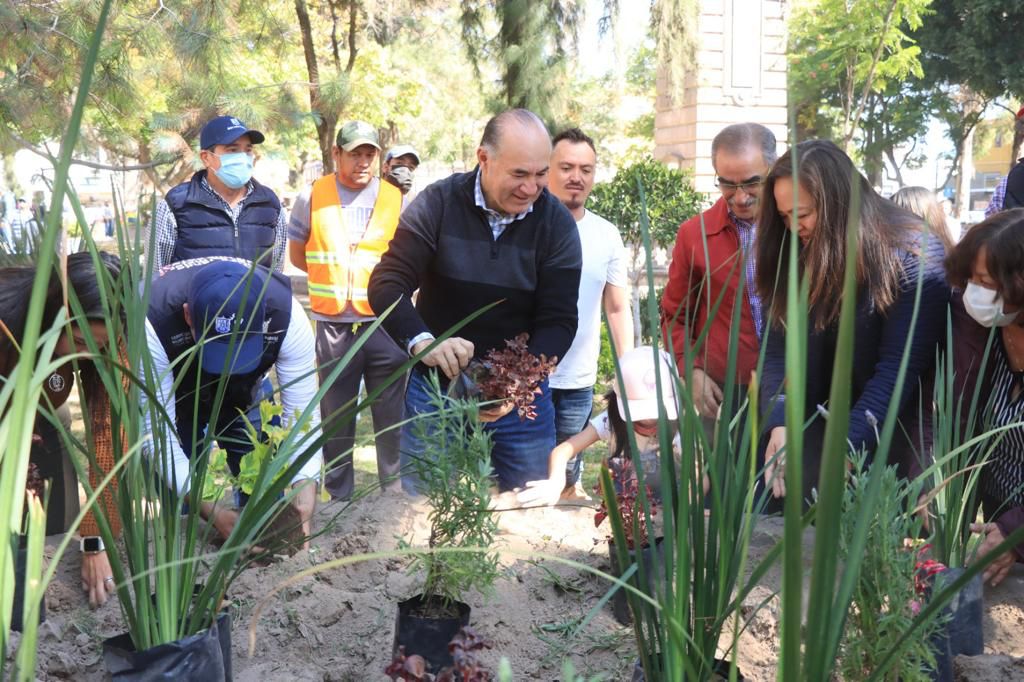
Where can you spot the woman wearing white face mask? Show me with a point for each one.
(988, 268)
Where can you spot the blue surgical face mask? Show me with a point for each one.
(235, 169)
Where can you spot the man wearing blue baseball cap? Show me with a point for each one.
(222, 210)
(214, 320)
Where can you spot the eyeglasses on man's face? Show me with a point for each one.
(749, 186)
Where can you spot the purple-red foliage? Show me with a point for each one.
(513, 374)
(628, 499)
(34, 482)
(409, 668)
(464, 648)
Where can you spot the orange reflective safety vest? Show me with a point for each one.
(338, 270)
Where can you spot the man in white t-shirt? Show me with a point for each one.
(602, 285)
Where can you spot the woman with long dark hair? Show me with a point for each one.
(893, 254)
(987, 269)
(48, 452)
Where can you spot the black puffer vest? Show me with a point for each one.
(205, 228)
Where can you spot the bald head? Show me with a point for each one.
(514, 155)
(515, 124)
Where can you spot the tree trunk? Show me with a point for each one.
(513, 37)
(325, 120)
(965, 171)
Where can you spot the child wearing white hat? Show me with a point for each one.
(640, 379)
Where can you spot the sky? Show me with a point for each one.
(600, 54)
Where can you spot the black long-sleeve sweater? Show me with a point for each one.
(445, 248)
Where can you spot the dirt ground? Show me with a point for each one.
(338, 624)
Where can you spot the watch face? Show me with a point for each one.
(92, 545)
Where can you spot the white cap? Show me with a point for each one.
(639, 378)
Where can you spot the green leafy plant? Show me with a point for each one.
(20, 394)
(266, 442)
(455, 477)
(953, 500)
(647, 221)
(680, 619)
(887, 594)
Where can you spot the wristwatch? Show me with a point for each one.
(92, 545)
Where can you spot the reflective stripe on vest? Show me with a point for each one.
(339, 271)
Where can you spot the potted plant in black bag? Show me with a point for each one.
(171, 590)
(634, 525)
(455, 477)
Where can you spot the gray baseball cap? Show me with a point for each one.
(402, 150)
(355, 133)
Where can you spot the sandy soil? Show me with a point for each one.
(338, 624)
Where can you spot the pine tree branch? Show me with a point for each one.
(25, 144)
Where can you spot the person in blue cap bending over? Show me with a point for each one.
(208, 299)
(222, 210)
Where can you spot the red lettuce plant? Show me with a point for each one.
(34, 483)
(466, 667)
(627, 497)
(511, 374)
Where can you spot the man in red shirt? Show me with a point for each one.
(703, 282)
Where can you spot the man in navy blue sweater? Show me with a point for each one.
(494, 234)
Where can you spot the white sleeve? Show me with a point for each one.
(617, 263)
(178, 474)
(600, 423)
(296, 374)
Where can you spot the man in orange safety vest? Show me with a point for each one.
(340, 226)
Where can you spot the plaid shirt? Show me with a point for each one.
(497, 221)
(995, 205)
(747, 232)
(166, 228)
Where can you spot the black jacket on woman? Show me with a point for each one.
(878, 349)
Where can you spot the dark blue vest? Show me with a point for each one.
(167, 294)
(205, 228)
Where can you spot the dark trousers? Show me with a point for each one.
(377, 359)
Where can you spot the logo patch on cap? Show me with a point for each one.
(222, 325)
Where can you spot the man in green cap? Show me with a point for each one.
(340, 226)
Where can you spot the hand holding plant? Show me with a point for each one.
(512, 376)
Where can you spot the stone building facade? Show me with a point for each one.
(740, 76)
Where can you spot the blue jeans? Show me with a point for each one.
(520, 447)
(573, 407)
(229, 432)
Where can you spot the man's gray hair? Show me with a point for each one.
(740, 137)
(495, 128)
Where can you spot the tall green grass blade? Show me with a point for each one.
(822, 614)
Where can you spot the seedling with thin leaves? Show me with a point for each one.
(455, 476)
